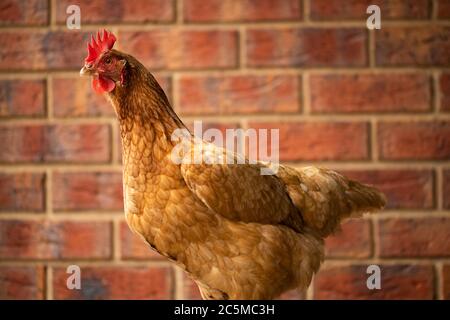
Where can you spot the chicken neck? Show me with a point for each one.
(146, 120)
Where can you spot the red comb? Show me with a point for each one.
(99, 45)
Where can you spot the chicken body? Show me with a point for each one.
(237, 233)
(229, 259)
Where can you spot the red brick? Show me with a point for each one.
(414, 46)
(446, 189)
(22, 98)
(446, 282)
(305, 47)
(87, 191)
(172, 49)
(356, 9)
(26, 143)
(133, 246)
(37, 50)
(22, 192)
(210, 136)
(443, 9)
(420, 237)
(239, 94)
(445, 91)
(205, 125)
(55, 143)
(33, 239)
(361, 93)
(404, 189)
(241, 10)
(74, 97)
(319, 140)
(397, 282)
(24, 283)
(19, 12)
(426, 140)
(113, 283)
(353, 241)
(104, 11)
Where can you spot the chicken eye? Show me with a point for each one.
(108, 60)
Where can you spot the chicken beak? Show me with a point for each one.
(85, 71)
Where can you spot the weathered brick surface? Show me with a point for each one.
(419, 46)
(24, 13)
(51, 50)
(172, 49)
(74, 97)
(398, 282)
(25, 283)
(319, 140)
(356, 9)
(239, 94)
(353, 241)
(100, 283)
(22, 192)
(422, 237)
(443, 9)
(291, 47)
(444, 84)
(38, 239)
(103, 11)
(446, 282)
(446, 189)
(209, 131)
(55, 143)
(361, 93)
(373, 105)
(425, 140)
(405, 189)
(241, 10)
(22, 98)
(87, 191)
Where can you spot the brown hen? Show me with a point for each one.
(237, 233)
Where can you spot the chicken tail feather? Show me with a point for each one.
(324, 197)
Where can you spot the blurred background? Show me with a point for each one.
(373, 105)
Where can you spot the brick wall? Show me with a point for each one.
(371, 104)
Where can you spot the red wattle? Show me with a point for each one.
(102, 85)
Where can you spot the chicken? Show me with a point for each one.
(237, 233)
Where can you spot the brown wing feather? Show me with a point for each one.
(239, 191)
